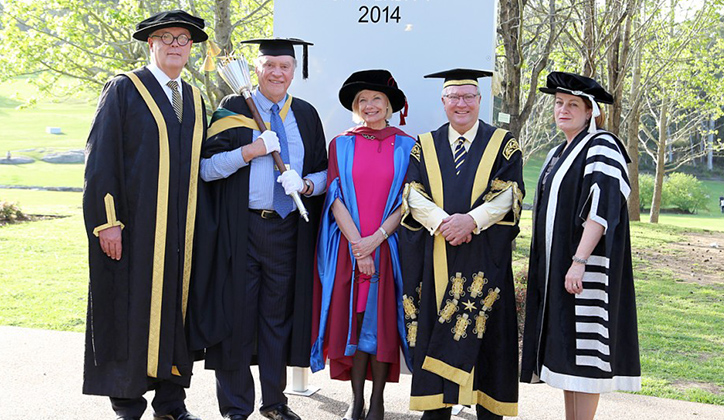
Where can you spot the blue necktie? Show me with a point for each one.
(283, 204)
(460, 154)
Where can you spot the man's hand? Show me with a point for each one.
(457, 229)
(271, 141)
(291, 181)
(366, 265)
(111, 242)
(266, 143)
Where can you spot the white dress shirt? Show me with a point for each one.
(163, 79)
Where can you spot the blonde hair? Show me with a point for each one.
(357, 118)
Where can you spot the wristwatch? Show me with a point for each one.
(308, 186)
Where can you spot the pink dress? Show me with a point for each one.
(372, 171)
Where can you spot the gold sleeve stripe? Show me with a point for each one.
(159, 248)
(241, 121)
(460, 82)
(191, 207)
(439, 252)
(482, 176)
(110, 215)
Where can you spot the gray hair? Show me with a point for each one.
(257, 61)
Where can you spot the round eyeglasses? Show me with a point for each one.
(168, 38)
(469, 98)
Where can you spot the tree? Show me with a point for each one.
(90, 41)
(528, 31)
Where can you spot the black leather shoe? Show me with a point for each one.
(235, 417)
(127, 418)
(178, 414)
(283, 412)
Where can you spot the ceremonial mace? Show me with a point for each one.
(233, 69)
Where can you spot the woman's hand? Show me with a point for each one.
(367, 245)
(366, 265)
(574, 278)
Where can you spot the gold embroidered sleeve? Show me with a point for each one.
(498, 186)
(511, 147)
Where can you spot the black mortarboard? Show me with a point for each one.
(168, 19)
(575, 84)
(283, 46)
(459, 77)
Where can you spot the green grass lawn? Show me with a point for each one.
(23, 133)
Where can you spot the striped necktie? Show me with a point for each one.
(460, 154)
(176, 99)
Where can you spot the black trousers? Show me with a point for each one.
(445, 414)
(167, 398)
(271, 264)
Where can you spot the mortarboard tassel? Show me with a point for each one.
(403, 114)
(305, 63)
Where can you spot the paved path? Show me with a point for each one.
(42, 371)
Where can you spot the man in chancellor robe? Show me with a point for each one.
(139, 205)
(461, 209)
(256, 266)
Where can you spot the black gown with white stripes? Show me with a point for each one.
(586, 342)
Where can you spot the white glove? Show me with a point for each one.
(271, 141)
(291, 181)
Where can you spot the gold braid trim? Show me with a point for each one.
(498, 187)
(412, 333)
(416, 151)
(405, 208)
(408, 305)
(110, 215)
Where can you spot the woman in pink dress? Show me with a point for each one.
(358, 314)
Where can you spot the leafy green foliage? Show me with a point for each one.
(680, 191)
(90, 41)
(684, 192)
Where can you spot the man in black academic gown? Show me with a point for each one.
(258, 254)
(461, 210)
(139, 205)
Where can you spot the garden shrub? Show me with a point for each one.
(646, 190)
(684, 192)
(10, 212)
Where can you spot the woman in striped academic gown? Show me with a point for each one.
(580, 328)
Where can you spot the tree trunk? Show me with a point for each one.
(660, 161)
(632, 138)
(589, 39)
(509, 17)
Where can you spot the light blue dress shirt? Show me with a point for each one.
(261, 176)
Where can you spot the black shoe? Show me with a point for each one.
(177, 414)
(348, 414)
(127, 418)
(282, 412)
(235, 417)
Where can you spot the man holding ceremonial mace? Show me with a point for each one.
(257, 269)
